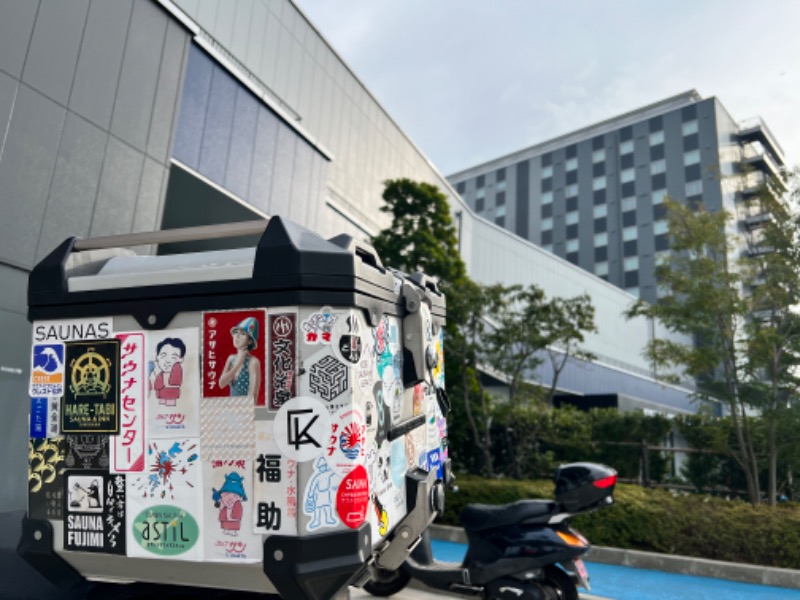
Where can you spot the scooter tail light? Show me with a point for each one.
(572, 540)
(605, 482)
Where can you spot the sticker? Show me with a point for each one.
(48, 332)
(227, 427)
(165, 530)
(320, 498)
(274, 486)
(173, 407)
(318, 328)
(47, 370)
(46, 478)
(398, 463)
(91, 400)
(378, 415)
(435, 462)
(352, 499)
(165, 495)
(282, 384)
(419, 398)
(87, 451)
(127, 448)
(328, 378)
(347, 342)
(301, 428)
(38, 418)
(228, 514)
(381, 516)
(94, 511)
(347, 441)
(233, 354)
(438, 369)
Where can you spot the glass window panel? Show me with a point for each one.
(600, 239)
(658, 166)
(599, 183)
(571, 190)
(480, 192)
(628, 203)
(547, 223)
(658, 196)
(601, 210)
(571, 164)
(629, 233)
(572, 245)
(689, 127)
(599, 155)
(627, 175)
(572, 218)
(547, 198)
(631, 263)
(691, 158)
(694, 188)
(547, 171)
(500, 211)
(657, 137)
(501, 186)
(601, 269)
(633, 291)
(659, 227)
(626, 147)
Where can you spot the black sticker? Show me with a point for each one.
(94, 512)
(91, 396)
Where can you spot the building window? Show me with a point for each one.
(658, 181)
(659, 227)
(572, 246)
(627, 175)
(480, 181)
(500, 175)
(547, 198)
(479, 205)
(480, 193)
(600, 224)
(657, 152)
(460, 187)
(628, 189)
(547, 223)
(629, 218)
(547, 171)
(547, 184)
(689, 127)
(500, 199)
(547, 248)
(691, 158)
(547, 237)
(626, 147)
(658, 166)
(628, 204)
(599, 155)
(571, 218)
(659, 212)
(501, 221)
(572, 231)
(630, 248)
(692, 172)
(690, 142)
(599, 183)
(500, 211)
(633, 291)
(600, 254)
(657, 137)
(631, 279)
(601, 210)
(571, 164)
(501, 186)
(571, 177)
(694, 188)
(626, 161)
(630, 263)
(547, 210)
(601, 269)
(658, 196)
(571, 190)
(572, 204)
(629, 233)
(662, 242)
(598, 169)
(599, 197)
(600, 239)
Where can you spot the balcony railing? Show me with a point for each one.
(756, 128)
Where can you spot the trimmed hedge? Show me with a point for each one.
(655, 520)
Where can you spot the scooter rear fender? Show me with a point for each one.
(541, 545)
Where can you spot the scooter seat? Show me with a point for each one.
(477, 517)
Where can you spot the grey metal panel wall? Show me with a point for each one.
(95, 93)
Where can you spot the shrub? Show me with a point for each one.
(660, 521)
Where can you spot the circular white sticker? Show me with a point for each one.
(302, 428)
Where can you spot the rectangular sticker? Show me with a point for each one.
(47, 370)
(94, 512)
(228, 516)
(173, 372)
(38, 418)
(87, 451)
(275, 493)
(227, 427)
(282, 384)
(46, 478)
(164, 514)
(91, 400)
(127, 448)
(49, 332)
(233, 354)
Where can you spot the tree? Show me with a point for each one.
(702, 298)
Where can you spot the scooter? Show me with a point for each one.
(525, 550)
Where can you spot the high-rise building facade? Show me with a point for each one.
(596, 196)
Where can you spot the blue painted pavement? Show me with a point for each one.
(628, 583)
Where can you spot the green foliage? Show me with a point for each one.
(659, 521)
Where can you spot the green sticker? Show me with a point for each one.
(165, 530)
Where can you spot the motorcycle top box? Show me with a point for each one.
(267, 419)
(582, 487)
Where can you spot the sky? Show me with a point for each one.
(471, 80)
